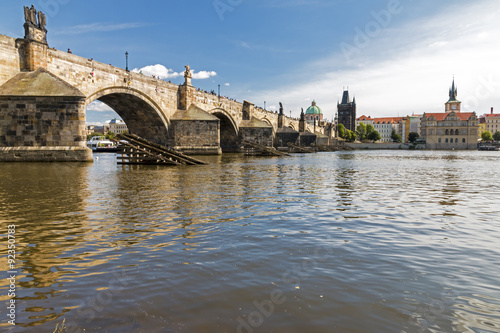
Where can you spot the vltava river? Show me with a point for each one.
(364, 241)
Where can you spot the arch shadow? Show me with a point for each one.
(229, 131)
(141, 114)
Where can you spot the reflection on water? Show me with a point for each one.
(366, 241)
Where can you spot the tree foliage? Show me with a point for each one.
(395, 136)
(374, 136)
(413, 136)
(341, 130)
(361, 132)
(350, 135)
(496, 136)
(486, 136)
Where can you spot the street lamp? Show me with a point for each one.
(126, 57)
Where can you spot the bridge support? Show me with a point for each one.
(42, 119)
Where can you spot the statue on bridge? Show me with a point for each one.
(42, 20)
(30, 16)
(281, 108)
(187, 76)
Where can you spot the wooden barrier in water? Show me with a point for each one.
(133, 149)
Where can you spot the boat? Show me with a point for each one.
(490, 148)
(100, 144)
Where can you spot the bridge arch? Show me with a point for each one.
(270, 123)
(142, 115)
(229, 130)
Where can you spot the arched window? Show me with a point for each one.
(463, 140)
(446, 140)
(456, 131)
(439, 140)
(446, 133)
(456, 140)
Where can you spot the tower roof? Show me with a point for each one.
(313, 109)
(453, 93)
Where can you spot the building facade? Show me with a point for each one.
(117, 126)
(347, 112)
(452, 129)
(492, 122)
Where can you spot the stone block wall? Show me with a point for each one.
(42, 121)
(9, 58)
(196, 136)
(259, 135)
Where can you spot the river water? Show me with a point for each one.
(363, 241)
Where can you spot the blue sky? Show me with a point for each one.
(398, 57)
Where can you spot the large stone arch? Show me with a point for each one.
(229, 130)
(270, 123)
(141, 114)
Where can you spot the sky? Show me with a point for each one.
(397, 57)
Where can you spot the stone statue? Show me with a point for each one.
(188, 71)
(281, 108)
(27, 14)
(33, 15)
(42, 20)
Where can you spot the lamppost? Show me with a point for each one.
(126, 57)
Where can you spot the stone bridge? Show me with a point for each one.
(44, 93)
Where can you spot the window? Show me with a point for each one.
(439, 140)
(463, 140)
(446, 132)
(456, 140)
(446, 140)
(456, 131)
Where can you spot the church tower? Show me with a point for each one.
(347, 112)
(453, 104)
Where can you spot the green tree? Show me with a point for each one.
(341, 130)
(395, 136)
(89, 136)
(486, 136)
(496, 136)
(369, 129)
(110, 135)
(374, 136)
(361, 132)
(413, 136)
(350, 135)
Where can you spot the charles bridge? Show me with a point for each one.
(44, 93)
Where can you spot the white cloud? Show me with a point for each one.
(158, 70)
(408, 68)
(163, 72)
(227, 84)
(98, 106)
(203, 74)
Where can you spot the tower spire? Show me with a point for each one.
(453, 92)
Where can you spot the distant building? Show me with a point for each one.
(412, 124)
(384, 126)
(481, 126)
(313, 113)
(117, 126)
(492, 121)
(347, 112)
(452, 129)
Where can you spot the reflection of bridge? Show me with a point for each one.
(44, 92)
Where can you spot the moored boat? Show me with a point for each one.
(100, 144)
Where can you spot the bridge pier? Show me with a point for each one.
(42, 118)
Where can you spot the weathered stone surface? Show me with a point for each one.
(45, 154)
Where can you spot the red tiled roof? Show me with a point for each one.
(363, 117)
(442, 115)
(492, 115)
(387, 120)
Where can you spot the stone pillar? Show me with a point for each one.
(186, 96)
(247, 110)
(35, 41)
